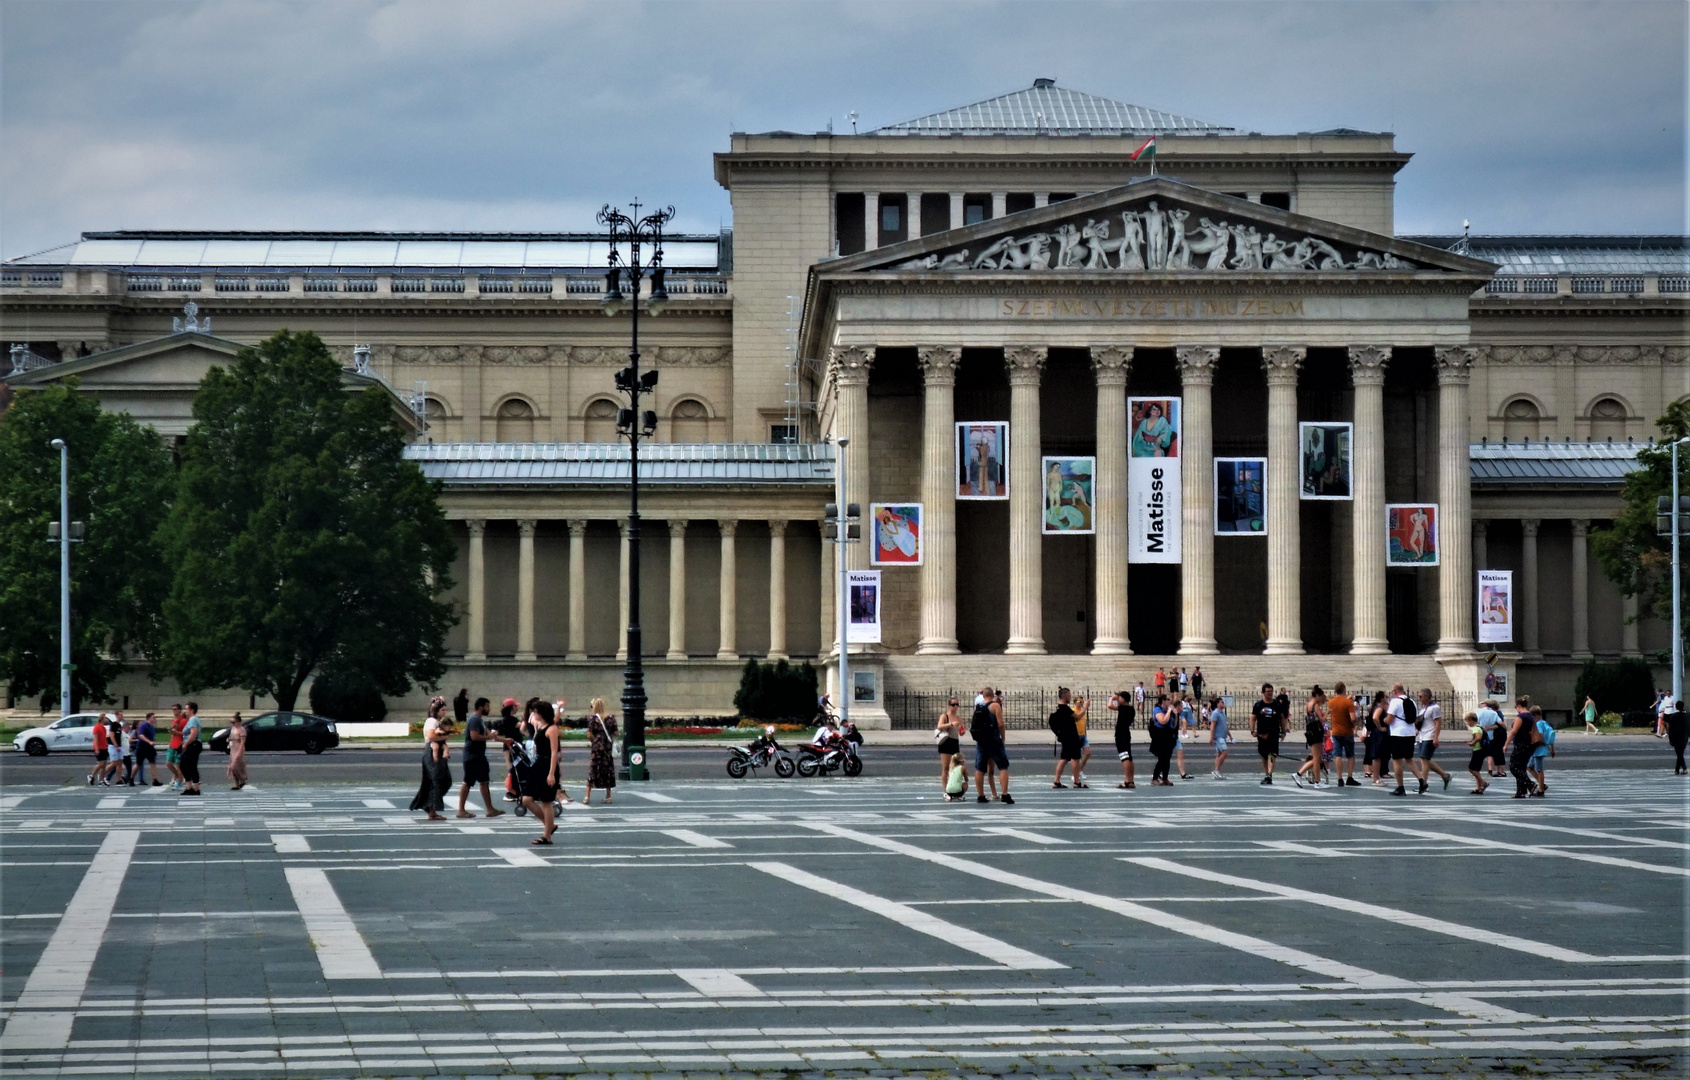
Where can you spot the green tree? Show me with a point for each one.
(121, 484)
(300, 538)
(1629, 552)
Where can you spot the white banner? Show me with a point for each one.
(862, 590)
(1496, 605)
(1153, 480)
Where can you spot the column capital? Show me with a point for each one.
(527, 526)
(678, 527)
(622, 527)
(777, 527)
(1197, 363)
(851, 364)
(577, 527)
(477, 526)
(1581, 526)
(1282, 361)
(939, 363)
(1455, 362)
(1529, 526)
(1481, 528)
(728, 526)
(1111, 364)
(1025, 363)
(1367, 364)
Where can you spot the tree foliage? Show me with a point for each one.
(1629, 552)
(300, 538)
(1621, 686)
(778, 691)
(120, 487)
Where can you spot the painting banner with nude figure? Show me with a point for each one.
(1068, 494)
(1411, 534)
(1153, 480)
(1496, 605)
(897, 534)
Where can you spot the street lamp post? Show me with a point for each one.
(634, 424)
(1677, 579)
(64, 540)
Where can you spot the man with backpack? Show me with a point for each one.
(1431, 721)
(1403, 720)
(1065, 725)
(987, 729)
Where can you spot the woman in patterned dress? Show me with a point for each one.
(601, 762)
(237, 753)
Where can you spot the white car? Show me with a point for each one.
(74, 732)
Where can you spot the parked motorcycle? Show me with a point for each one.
(762, 752)
(837, 753)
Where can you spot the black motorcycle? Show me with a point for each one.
(837, 754)
(761, 753)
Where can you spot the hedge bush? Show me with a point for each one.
(347, 699)
(778, 691)
(1620, 686)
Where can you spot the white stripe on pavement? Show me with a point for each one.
(1190, 927)
(380, 804)
(1529, 849)
(290, 843)
(696, 839)
(915, 919)
(649, 796)
(60, 976)
(518, 856)
(1023, 834)
(340, 948)
(717, 983)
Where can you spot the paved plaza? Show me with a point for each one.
(846, 928)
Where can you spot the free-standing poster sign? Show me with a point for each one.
(1411, 534)
(1153, 480)
(1325, 460)
(1068, 494)
(1496, 605)
(862, 587)
(897, 534)
(1241, 496)
(982, 459)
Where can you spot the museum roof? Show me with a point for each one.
(1543, 462)
(808, 464)
(1529, 256)
(513, 252)
(1048, 109)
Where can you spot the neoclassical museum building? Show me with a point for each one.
(1109, 407)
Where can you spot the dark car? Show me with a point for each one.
(284, 731)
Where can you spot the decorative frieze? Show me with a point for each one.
(1570, 353)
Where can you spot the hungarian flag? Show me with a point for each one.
(1148, 147)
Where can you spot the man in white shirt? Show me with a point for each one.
(1138, 697)
(1401, 733)
(1430, 716)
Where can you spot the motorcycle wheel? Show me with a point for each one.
(736, 768)
(520, 809)
(784, 767)
(853, 766)
(808, 766)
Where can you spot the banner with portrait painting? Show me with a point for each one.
(1496, 605)
(1411, 534)
(862, 590)
(1153, 480)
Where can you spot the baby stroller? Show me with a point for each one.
(522, 764)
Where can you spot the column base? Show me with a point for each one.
(1199, 647)
(621, 656)
(1451, 650)
(475, 656)
(726, 654)
(774, 656)
(674, 654)
(1370, 647)
(1111, 647)
(937, 647)
(575, 656)
(526, 657)
(1585, 654)
(1283, 647)
(1025, 647)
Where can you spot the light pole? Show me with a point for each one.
(842, 528)
(1677, 580)
(64, 575)
(634, 424)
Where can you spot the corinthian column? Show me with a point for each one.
(777, 590)
(1285, 572)
(525, 590)
(1581, 588)
(1197, 479)
(477, 591)
(727, 645)
(1455, 577)
(677, 591)
(1109, 500)
(1529, 640)
(850, 380)
(1367, 512)
(938, 499)
(622, 601)
(577, 590)
(1025, 364)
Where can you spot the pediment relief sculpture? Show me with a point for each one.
(1160, 236)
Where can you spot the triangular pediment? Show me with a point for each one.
(1157, 226)
(177, 360)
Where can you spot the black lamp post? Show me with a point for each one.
(635, 424)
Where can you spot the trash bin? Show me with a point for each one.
(636, 763)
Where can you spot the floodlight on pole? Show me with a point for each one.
(64, 540)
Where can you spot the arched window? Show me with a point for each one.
(1520, 420)
(1607, 420)
(601, 421)
(689, 422)
(515, 421)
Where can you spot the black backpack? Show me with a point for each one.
(983, 726)
(1408, 712)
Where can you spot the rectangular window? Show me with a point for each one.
(848, 219)
(1017, 201)
(891, 217)
(976, 208)
(1279, 200)
(783, 434)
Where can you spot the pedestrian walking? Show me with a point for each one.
(601, 763)
(1314, 738)
(1662, 706)
(1519, 745)
(1064, 724)
(1184, 682)
(237, 753)
(1341, 714)
(947, 733)
(1138, 696)
(1197, 683)
(991, 759)
(1164, 737)
(1400, 712)
(436, 780)
(173, 754)
(1541, 752)
(1430, 716)
(1478, 756)
(1185, 729)
(1678, 734)
(460, 708)
(146, 751)
(1267, 724)
(1219, 737)
(1161, 683)
(1125, 713)
(477, 772)
(102, 752)
(1496, 735)
(126, 747)
(1589, 712)
(540, 786)
(192, 745)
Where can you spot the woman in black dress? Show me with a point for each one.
(539, 789)
(436, 774)
(601, 760)
(1164, 734)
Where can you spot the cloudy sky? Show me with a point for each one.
(1523, 116)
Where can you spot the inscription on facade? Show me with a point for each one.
(1121, 307)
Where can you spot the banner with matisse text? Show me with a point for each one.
(1153, 480)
